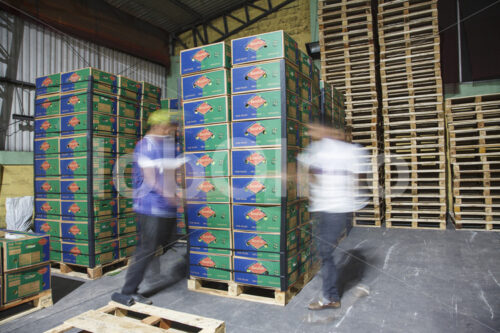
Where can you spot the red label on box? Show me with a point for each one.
(256, 73)
(255, 159)
(204, 161)
(201, 55)
(207, 262)
(257, 242)
(203, 108)
(256, 44)
(255, 186)
(256, 214)
(206, 212)
(257, 268)
(207, 237)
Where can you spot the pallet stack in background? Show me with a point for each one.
(348, 58)
(473, 135)
(172, 104)
(86, 123)
(413, 114)
(259, 232)
(24, 269)
(205, 104)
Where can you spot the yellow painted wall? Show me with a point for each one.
(294, 19)
(17, 181)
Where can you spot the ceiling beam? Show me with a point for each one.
(197, 30)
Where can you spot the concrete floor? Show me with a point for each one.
(419, 281)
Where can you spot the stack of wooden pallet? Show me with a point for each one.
(412, 113)
(348, 63)
(473, 124)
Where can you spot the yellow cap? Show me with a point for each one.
(163, 116)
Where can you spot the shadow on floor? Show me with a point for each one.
(60, 288)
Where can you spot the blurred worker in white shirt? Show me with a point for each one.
(335, 168)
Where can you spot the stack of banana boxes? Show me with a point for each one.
(206, 112)
(24, 265)
(84, 121)
(172, 104)
(245, 218)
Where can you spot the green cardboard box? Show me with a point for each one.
(26, 282)
(208, 137)
(207, 84)
(78, 101)
(127, 224)
(263, 245)
(128, 241)
(206, 111)
(129, 88)
(264, 76)
(77, 123)
(150, 92)
(209, 215)
(206, 57)
(265, 272)
(77, 189)
(264, 218)
(77, 167)
(210, 266)
(128, 109)
(76, 146)
(211, 241)
(129, 127)
(207, 164)
(126, 145)
(214, 190)
(125, 205)
(20, 249)
(127, 252)
(266, 46)
(79, 80)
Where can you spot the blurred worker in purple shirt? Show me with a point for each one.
(155, 201)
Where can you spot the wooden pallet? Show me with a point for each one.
(88, 273)
(231, 289)
(399, 224)
(39, 301)
(116, 317)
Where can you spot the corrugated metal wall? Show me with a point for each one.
(29, 50)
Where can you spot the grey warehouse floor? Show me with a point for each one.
(419, 281)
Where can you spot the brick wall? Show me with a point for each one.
(293, 19)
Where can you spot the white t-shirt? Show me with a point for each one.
(335, 166)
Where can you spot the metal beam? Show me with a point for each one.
(197, 29)
(22, 84)
(187, 8)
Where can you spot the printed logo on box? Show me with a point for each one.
(73, 100)
(207, 238)
(204, 135)
(74, 208)
(45, 165)
(206, 187)
(256, 102)
(73, 187)
(46, 187)
(45, 125)
(255, 186)
(257, 242)
(207, 262)
(73, 166)
(257, 268)
(256, 44)
(74, 77)
(206, 212)
(202, 82)
(73, 122)
(73, 144)
(45, 146)
(201, 55)
(74, 230)
(255, 159)
(203, 108)
(256, 74)
(205, 161)
(256, 215)
(45, 227)
(255, 129)
(75, 251)
(46, 105)
(47, 82)
(46, 207)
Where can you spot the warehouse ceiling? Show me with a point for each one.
(176, 16)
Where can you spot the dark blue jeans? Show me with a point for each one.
(153, 232)
(331, 228)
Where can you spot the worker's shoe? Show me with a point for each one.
(141, 299)
(319, 305)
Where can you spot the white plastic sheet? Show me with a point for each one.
(19, 213)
